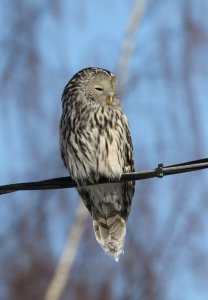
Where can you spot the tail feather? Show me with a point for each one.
(110, 233)
(109, 206)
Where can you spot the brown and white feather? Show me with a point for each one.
(95, 142)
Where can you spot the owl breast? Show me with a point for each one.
(96, 145)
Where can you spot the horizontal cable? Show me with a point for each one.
(68, 182)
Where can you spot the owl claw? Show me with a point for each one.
(94, 177)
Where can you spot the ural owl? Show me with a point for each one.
(95, 142)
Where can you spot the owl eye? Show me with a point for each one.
(98, 88)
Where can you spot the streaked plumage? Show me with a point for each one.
(95, 142)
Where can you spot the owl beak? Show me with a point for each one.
(110, 100)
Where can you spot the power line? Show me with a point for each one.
(67, 182)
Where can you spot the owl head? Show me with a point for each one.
(99, 86)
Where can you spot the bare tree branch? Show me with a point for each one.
(62, 272)
(128, 43)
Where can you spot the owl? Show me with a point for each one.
(95, 142)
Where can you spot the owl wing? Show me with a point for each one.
(128, 158)
(128, 186)
(85, 195)
(62, 141)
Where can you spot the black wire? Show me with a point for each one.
(67, 182)
(193, 162)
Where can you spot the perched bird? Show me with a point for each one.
(95, 142)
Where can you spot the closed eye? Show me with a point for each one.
(99, 89)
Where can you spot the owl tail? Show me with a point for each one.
(110, 231)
